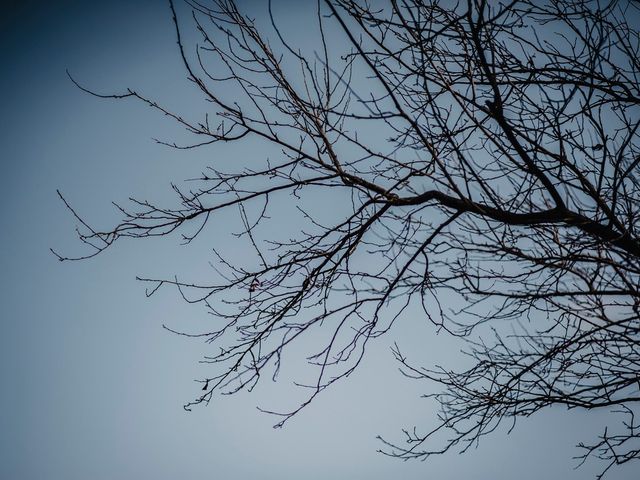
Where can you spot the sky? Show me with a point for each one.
(92, 385)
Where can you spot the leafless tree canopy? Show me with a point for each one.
(488, 155)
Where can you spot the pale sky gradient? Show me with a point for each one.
(92, 386)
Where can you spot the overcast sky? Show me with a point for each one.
(92, 386)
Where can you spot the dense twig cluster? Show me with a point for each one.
(488, 150)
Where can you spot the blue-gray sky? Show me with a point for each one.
(92, 386)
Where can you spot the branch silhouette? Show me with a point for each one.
(487, 156)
